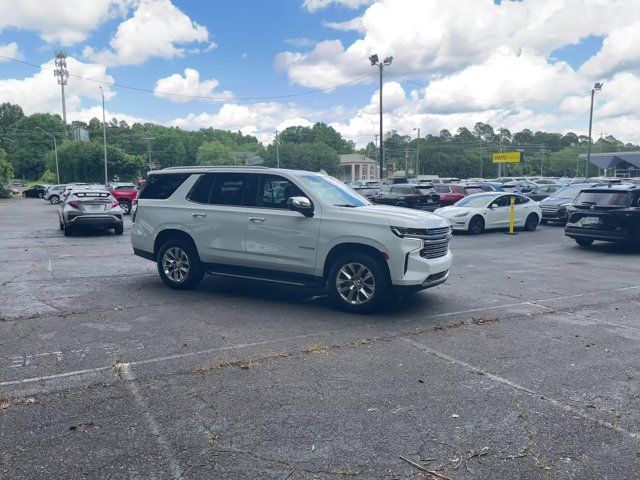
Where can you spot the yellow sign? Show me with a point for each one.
(506, 157)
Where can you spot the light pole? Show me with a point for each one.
(148, 139)
(104, 138)
(385, 63)
(277, 142)
(55, 150)
(596, 86)
(417, 151)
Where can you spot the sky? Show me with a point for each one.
(260, 66)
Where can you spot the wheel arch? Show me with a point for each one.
(352, 247)
(168, 234)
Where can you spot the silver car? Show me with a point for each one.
(92, 208)
(53, 194)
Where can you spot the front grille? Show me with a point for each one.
(436, 242)
(549, 208)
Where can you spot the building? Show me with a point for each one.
(354, 167)
(616, 164)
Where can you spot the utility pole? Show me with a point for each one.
(63, 74)
(501, 147)
(277, 150)
(418, 153)
(104, 138)
(596, 86)
(406, 161)
(55, 150)
(148, 139)
(385, 63)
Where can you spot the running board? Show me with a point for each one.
(260, 279)
(265, 275)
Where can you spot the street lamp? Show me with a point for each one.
(104, 138)
(417, 151)
(55, 149)
(596, 86)
(385, 63)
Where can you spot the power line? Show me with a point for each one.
(181, 95)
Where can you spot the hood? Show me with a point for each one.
(555, 201)
(396, 216)
(450, 211)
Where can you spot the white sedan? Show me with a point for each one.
(481, 211)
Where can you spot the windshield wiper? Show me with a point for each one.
(350, 205)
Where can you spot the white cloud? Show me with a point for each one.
(156, 29)
(10, 50)
(314, 5)
(299, 42)
(619, 51)
(65, 22)
(41, 92)
(86, 114)
(355, 24)
(188, 86)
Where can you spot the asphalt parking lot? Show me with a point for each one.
(525, 364)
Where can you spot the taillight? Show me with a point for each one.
(73, 204)
(114, 204)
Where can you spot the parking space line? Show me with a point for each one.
(567, 408)
(592, 319)
(161, 440)
(177, 356)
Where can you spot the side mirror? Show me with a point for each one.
(301, 204)
(493, 205)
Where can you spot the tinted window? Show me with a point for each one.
(521, 200)
(228, 189)
(503, 201)
(202, 189)
(426, 190)
(472, 190)
(443, 189)
(605, 199)
(274, 191)
(162, 186)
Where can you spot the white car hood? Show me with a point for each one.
(397, 216)
(449, 212)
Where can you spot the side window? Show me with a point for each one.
(202, 189)
(162, 186)
(228, 189)
(274, 191)
(503, 201)
(520, 200)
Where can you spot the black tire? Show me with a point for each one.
(119, 229)
(377, 286)
(476, 225)
(532, 222)
(125, 205)
(61, 226)
(54, 199)
(194, 268)
(401, 204)
(40, 195)
(67, 231)
(584, 242)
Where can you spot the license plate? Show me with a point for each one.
(590, 221)
(95, 208)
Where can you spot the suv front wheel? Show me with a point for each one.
(358, 283)
(179, 265)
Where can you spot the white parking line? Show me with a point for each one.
(520, 388)
(161, 440)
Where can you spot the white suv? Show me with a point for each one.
(286, 226)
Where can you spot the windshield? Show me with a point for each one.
(333, 192)
(605, 199)
(472, 190)
(475, 201)
(569, 192)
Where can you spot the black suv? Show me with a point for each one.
(409, 195)
(610, 213)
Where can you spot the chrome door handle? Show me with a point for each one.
(198, 215)
(257, 219)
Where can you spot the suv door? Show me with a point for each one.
(279, 238)
(217, 216)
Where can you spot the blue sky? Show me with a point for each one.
(519, 64)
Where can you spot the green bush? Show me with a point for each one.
(6, 173)
(48, 177)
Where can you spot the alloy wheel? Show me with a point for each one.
(175, 264)
(355, 283)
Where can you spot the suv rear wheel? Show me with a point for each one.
(179, 265)
(358, 283)
(584, 242)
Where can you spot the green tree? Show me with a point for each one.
(215, 153)
(9, 115)
(6, 174)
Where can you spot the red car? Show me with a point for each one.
(451, 193)
(125, 194)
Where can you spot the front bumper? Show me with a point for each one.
(420, 271)
(555, 214)
(603, 235)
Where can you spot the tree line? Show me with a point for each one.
(27, 142)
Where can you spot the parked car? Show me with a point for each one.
(125, 193)
(554, 207)
(90, 208)
(408, 195)
(483, 211)
(53, 194)
(35, 191)
(451, 193)
(17, 188)
(289, 227)
(367, 192)
(542, 192)
(610, 213)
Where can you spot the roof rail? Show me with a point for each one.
(197, 167)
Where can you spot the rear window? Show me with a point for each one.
(426, 190)
(605, 199)
(162, 186)
(472, 190)
(443, 189)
